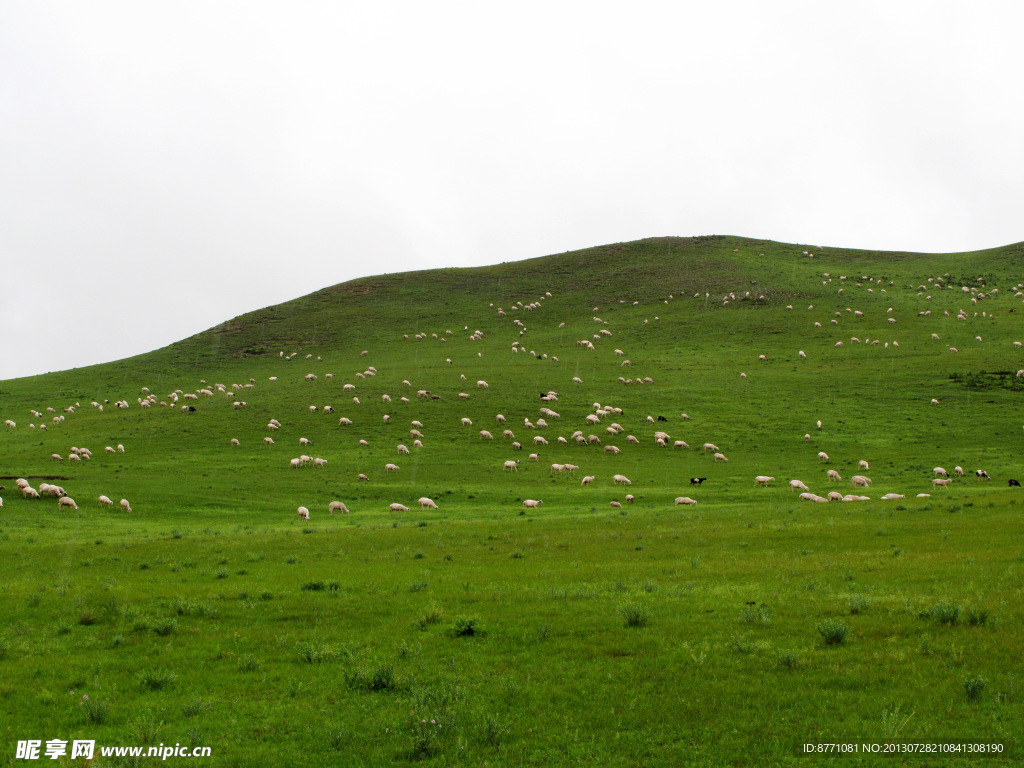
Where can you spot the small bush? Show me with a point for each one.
(634, 614)
(858, 604)
(314, 586)
(945, 613)
(95, 712)
(432, 616)
(87, 618)
(418, 586)
(977, 617)
(248, 663)
(223, 573)
(467, 626)
(157, 679)
(383, 678)
(833, 631)
(973, 687)
(760, 614)
(787, 660)
(266, 595)
(165, 628)
(316, 653)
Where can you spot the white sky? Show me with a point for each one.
(167, 166)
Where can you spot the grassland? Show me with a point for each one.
(726, 633)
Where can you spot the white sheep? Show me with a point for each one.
(426, 502)
(531, 503)
(125, 506)
(891, 496)
(797, 484)
(391, 467)
(318, 462)
(835, 496)
(621, 480)
(860, 480)
(833, 475)
(940, 472)
(467, 422)
(588, 480)
(684, 500)
(234, 441)
(105, 501)
(485, 435)
(337, 506)
(763, 480)
(512, 466)
(958, 471)
(720, 457)
(862, 464)
(940, 481)
(539, 440)
(362, 478)
(402, 448)
(481, 384)
(710, 447)
(66, 501)
(822, 456)
(303, 513)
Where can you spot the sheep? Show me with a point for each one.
(1011, 483)
(763, 480)
(621, 480)
(588, 480)
(485, 435)
(616, 505)
(833, 475)
(612, 449)
(512, 466)
(940, 472)
(337, 506)
(56, 457)
(720, 457)
(834, 496)
(860, 480)
(534, 457)
(362, 478)
(981, 474)
(797, 484)
(499, 419)
(295, 463)
(557, 468)
(891, 496)
(697, 480)
(426, 502)
(481, 384)
(684, 500)
(398, 508)
(29, 493)
(125, 506)
(234, 441)
(632, 439)
(268, 440)
(21, 483)
(391, 467)
(939, 481)
(532, 503)
(822, 456)
(467, 422)
(318, 462)
(862, 464)
(710, 447)
(539, 440)
(958, 471)
(110, 449)
(67, 501)
(105, 501)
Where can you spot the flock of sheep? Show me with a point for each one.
(614, 439)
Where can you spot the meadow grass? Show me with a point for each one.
(485, 632)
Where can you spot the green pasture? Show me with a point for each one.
(578, 633)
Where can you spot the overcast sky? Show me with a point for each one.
(167, 166)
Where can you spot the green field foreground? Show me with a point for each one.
(730, 632)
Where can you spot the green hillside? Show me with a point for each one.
(594, 628)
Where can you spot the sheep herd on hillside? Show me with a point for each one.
(614, 441)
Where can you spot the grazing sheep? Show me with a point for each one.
(268, 440)
(710, 447)
(539, 440)
(981, 474)
(391, 467)
(110, 449)
(105, 502)
(616, 505)
(234, 441)
(940, 472)
(940, 481)
(720, 457)
(684, 500)
(426, 502)
(125, 506)
(588, 480)
(680, 444)
(56, 457)
(67, 501)
(891, 496)
(481, 384)
(797, 484)
(398, 508)
(763, 480)
(1013, 483)
(362, 478)
(485, 435)
(612, 449)
(620, 480)
(697, 480)
(860, 480)
(531, 503)
(402, 448)
(29, 493)
(862, 464)
(467, 422)
(958, 471)
(318, 462)
(337, 506)
(822, 456)
(512, 466)
(835, 496)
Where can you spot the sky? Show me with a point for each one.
(167, 166)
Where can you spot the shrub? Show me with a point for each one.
(316, 653)
(760, 614)
(833, 631)
(313, 586)
(157, 679)
(788, 660)
(945, 613)
(634, 614)
(382, 678)
(222, 573)
(858, 604)
(95, 712)
(977, 617)
(165, 628)
(467, 626)
(432, 616)
(248, 663)
(973, 687)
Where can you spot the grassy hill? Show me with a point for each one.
(729, 632)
